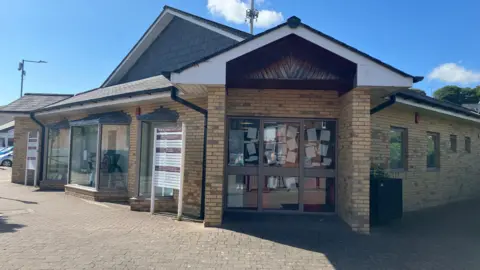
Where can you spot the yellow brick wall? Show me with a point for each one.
(353, 183)
(283, 103)
(215, 156)
(459, 174)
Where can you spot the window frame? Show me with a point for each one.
(404, 148)
(453, 137)
(468, 144)
(436, 150)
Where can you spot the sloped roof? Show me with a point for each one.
(433, 102)
(117, 91)
(33, 101)
(155, 29)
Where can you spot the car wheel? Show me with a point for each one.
(7, 163)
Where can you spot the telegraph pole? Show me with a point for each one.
(252, 15)
(21, 68)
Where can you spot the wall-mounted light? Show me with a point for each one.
(138, 111)
(417, 118)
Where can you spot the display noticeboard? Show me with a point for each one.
(168, 157)
(32, 155)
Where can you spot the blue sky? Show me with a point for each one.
(84, 40)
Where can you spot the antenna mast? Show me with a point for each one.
(252, 15)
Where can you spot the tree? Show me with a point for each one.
(450, 93)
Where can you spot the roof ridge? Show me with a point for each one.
(48, 94)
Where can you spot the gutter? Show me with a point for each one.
(42, 145)
(384, 105)
(176, 98)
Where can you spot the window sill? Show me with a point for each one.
(143, 198)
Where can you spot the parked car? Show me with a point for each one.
(6, 150)
(6, 160)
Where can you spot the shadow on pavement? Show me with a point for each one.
(16, 200)
(445, 237)
(8, 227)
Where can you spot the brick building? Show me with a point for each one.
(287, 121)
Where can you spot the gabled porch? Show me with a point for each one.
(289, 124)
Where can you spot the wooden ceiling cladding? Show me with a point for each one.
(292, 68)
(291, 61)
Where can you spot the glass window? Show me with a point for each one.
(319, 194)
(453, 143)
(57, 155)
(147, 146)
(243, 142)
(280, 193)
(242, 191)
(281, 144)
(468, 148)
(84, 155)
(398, 146)
(433, 150)
(10, 141)
(114, 157)
(320, 144)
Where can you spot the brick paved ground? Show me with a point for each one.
(48, 230)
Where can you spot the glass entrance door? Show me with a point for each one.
(279, 172)
(283, 165)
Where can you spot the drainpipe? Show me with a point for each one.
(384, 105)
(176, 98)
(42, 145)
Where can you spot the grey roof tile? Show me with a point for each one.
(156, 82)
(33, 101)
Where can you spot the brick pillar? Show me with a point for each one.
(353, 184)
(23, 125)
(215, 156)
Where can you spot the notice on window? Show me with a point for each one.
(292, 132)
(312, 134)
(292, 144)
(325, 135)
(252, 133)
(168, 157)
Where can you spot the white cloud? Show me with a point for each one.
(235, 10)
(453, 73)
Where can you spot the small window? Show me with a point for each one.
(398, 148)
(433, 150)
(468, 148)
(453, 143)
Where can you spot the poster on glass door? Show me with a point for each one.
(168, 157)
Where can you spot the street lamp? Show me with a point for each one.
(21, 68)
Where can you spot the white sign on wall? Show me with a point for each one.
(168, 157)
(32, 155)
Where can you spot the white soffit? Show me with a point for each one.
(369, 73)
(151, 35)
(437, 110)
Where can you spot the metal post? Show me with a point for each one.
(23, 74)
(182, 173)
(252, 9)
(152, 191)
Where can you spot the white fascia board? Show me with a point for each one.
(106, 104)
(369, 73)
(437, 110)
